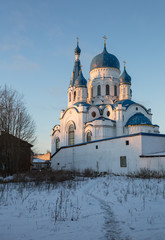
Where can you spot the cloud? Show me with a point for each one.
(9, 47)
(20, 63)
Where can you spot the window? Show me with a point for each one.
(69, 97)
(123, 161)
(97, 147)
(74, 95)
(98, 90)
(136, 108)
(57, 143)
(107, 90)
(108, 113)
(91, 92)
(127, 142)
(115, 90)
(89, 136)
(71, 135)
(93, 114)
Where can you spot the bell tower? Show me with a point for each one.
(77, 91)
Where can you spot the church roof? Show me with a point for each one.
(105, 59)
(125, 103)
(101, 118)
(75, 73)
(138, 119)
(80, 81)
(82, 103)
(125, 78)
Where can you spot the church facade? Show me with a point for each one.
(99, 109)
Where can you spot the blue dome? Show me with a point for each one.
(105, 59)
(125, 78)
(80, 81)
(77, 50)
(138, 119)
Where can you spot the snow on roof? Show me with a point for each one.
(38, 160)
(155, 154)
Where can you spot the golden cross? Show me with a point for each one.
(124, 63)
(77, 40)
(105, 38)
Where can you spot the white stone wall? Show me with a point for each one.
(153, 144)
(153, 163)
(104, 156)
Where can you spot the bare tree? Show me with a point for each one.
(14, 118)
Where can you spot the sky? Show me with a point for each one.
(38, 39)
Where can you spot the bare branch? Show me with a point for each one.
(14, 117)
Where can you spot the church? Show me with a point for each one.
(102, 115)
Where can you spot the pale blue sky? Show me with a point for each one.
(37, 44)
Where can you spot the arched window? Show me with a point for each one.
(70, 97)
(98, 90)
(89, 135)
(71, 135)
(115, 90)
(107, 89)
(74, 95)
(57, 143)
(91, 92)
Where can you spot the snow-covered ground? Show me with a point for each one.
(108, 207)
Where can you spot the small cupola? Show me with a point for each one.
(77, 49)
(125, 78)
(125, 85)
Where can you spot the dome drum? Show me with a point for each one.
(111, 73)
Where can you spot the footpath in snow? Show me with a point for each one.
(111, 207)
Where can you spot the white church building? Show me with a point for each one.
(102, 128)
